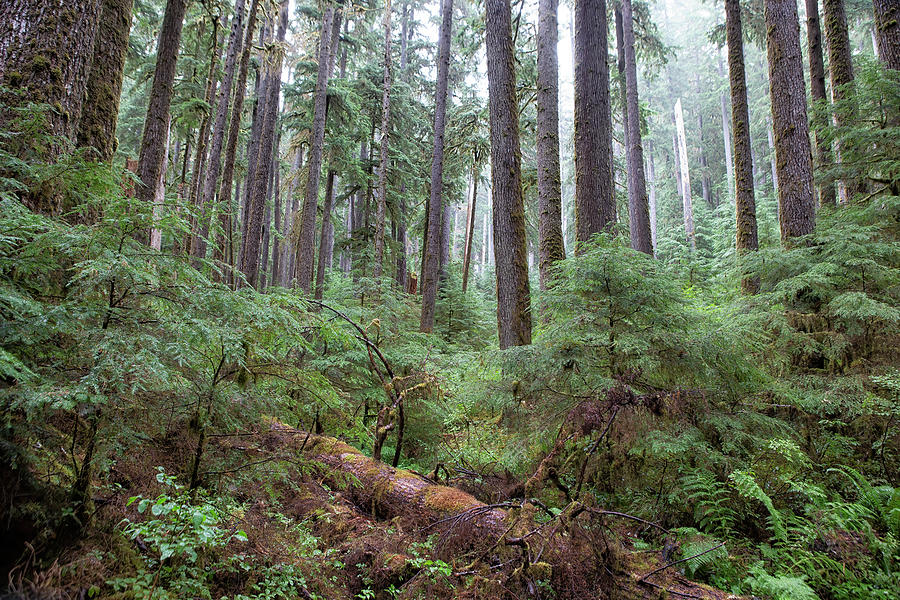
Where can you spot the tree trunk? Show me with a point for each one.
(323, 238)
(686, 200)
(431, 259)
(259, 109)
(385, 129)
(513, 294)
(549, 182)
(401, 213)
(638, 210)
(307, 238)
(99, 114)
(745, 203)
(276, 241)
(470, 221)
(227, 216)
(595, 207)
(291, 219)
(887, 27)
(264, 162)
(840, 66)
(207, 196)
(47, 51)
(792, 148)
(817, 90)
(154, 138)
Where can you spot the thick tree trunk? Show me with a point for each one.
(208, 190)
(307, 238)
(513, 294)
(595, 207)
(550, 235)
(47, 51)
(887, 27)
(817, 90)
(264, 163)
(432, 254)
(259, 109)
(99, 114)
(638, 210)
(686, 200)
(154, 138)
(792, 148)
(745, 203)
(840, 66)
(381, 211)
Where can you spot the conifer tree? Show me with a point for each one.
(887, 27)
(817, 91)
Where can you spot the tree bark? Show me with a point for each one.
(154, 138)
(651, 176)
(513, 294)
(207, 196)
(99, 114)
(226, 215)
(550, 235)
(470, 222)
(277, 213)
(745, 203)
(47, 51)
(792, 148)
(887, 28)
(291, 216)
(323, 238)
(840, 67)
(401, 213)
(431, 262)
(595, 207)
(385, 130)
(306, 241)
(817, 90)
(638, 209)
(250, 246)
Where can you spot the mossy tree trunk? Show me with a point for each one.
(745, 202)
(550, 244)
(793, 153)
(513, 294)
(887, 27)
(99, 115)
(817, 91)
(840, 66)
(595, 207)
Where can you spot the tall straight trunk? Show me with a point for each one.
(770, 138)
(385, 130)
(638, 209)
(686, 200)
(264, 255)
(447, 215)
(159, 196)
(513, 294)
(99, 113)
(290, 217)
(47, 52)
(726, 136)
(212, 81)
(432, 255)
(550, 234)
(792, 148)
(207, 196)
(470, 223)
(154, 137)
(323, 237)
(259, 181)
(276, 225)
(745, 203)
(595, 207)
(679, 185)
(259, 109)
(620, 79)
(840, 67)
(484, 241)
(817, 91)
(306, 241)
(651, 176)
(887, 27)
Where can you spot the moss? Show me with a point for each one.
(447, 500)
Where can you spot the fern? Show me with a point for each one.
(712, 502)
(745, 483)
